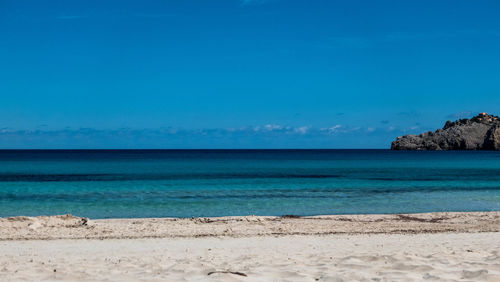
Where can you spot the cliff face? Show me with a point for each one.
(481, 132)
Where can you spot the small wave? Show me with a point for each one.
(124, 177)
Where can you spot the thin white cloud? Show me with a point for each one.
(164, 133)
(370, 129)
(273, 127)
(301, 130)
(333, 129)
(266, 136)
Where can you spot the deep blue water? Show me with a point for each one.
(186, 183)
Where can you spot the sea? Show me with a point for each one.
(210, 183)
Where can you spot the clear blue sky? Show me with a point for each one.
(242, 74)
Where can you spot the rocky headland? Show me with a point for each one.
(481, 132)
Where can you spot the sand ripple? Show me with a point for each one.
(379, 257)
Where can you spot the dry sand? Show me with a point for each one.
(72, 227)
(434, 246)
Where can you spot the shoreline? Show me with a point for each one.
(72, 227)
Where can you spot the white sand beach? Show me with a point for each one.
(436, 246)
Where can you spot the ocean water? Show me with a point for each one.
(187, 183)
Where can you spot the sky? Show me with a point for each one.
(242, 73)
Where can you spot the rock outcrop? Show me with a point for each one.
(481, 132)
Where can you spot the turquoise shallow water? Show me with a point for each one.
(186, 183)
